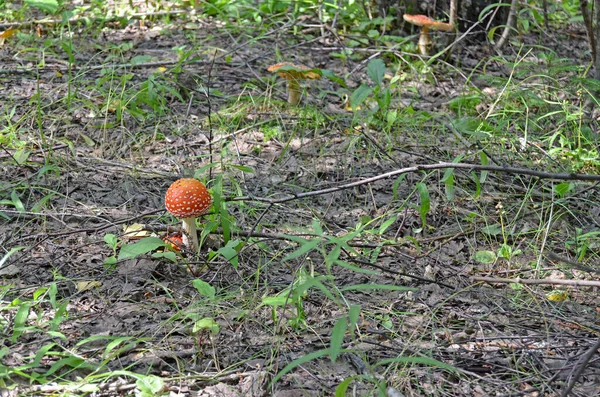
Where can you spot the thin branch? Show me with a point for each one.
(425, 167)
(86, 20)
(544, 281)
(580, 367)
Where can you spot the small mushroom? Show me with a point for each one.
(427, 23)
(174, 242)
(186, 199)
(293, 73)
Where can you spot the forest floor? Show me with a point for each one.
(294, 291)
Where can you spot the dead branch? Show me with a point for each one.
(544, 281)
(424, 167)
(580, 367)
(138, 15)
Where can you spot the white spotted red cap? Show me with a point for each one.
(188, 198)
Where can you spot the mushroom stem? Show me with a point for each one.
(424, 41)
(190, 236)
(294, 92)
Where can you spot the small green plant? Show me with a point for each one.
(582, 242)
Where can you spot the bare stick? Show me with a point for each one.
(425, 167)
(580, 367)
(26, 24)
(544, 281)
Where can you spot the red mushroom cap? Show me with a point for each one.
(426, 22)
(187, 198)
(174, 242)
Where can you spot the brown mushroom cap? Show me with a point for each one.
(426, 22)
(187, 198)
(290, 71)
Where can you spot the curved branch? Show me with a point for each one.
(424, 167)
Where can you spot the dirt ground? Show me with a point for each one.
(96, 171)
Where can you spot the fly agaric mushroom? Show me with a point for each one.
(427, 23)
(293, 73)
(186, 199)
(174, 242)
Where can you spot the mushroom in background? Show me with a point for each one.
(293, 73)
(427, 23)
(186, 199)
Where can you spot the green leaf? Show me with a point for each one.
(204, 288)
(337, 338)
(385, 225)
(299, 361)
(73, 362)
(354, 268)
(277, 300)
(115, 343)
(485, 257)
(484, 161)
(418, 360)
(243, 168)
(342, 388)
(376, 70)
(448, 180)
(145, 245)
(21, 156)
(492, 230)
(474, 127)
(20, 321)
(9, 253)
(139, 59)
(111, 240)
(353, 315)
(563, 188)
(206, 323)
(49, 6)
(359, 95)
(56, 334)
(52, 292)
(333, 255)
(396, 184)
(150, 385)
(425, 202)
(37, 207)
(230, 252)
(328, 74)
(110, 261)
(305, 247)
(168, 255)
(16, 201)
(477, 185)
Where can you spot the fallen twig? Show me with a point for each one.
(580, 367)
(548, 281)
(424, 167)
(139, 15)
